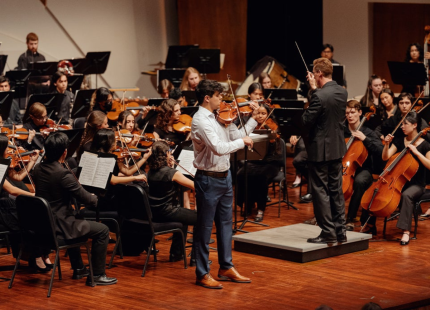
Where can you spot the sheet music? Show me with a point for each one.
(3, 170)
(89, 164)
(186, 159)
(104, 168)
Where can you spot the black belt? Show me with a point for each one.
(214, 174)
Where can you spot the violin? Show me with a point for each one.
(21, 133)
(227, 111)
(51, 126)
(146, 140)
(22, 158)
(118, 107)
(383, 196)
(355, 156)
(183, 124)
(124, 153)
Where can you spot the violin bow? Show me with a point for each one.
(128, 150)
(177, 164)
(264, 123)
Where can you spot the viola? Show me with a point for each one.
(355, 156)
(383, 196)
(227, 111)
(133, 107)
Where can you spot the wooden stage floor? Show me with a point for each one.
(393, 276)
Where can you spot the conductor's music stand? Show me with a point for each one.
(173, 75)
(52, 102)
(97, 63)
(406, 73)
(3, 60)
(175, 55)
(204, 60)
(6, 98)
(81, 106)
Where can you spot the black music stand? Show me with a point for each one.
(374, 121)
(45, 67)
(6, 99)
(79, 64)
(97, 63)
(204, 60)
(81, 106)
(155, 101)
(3, 60)
(338, 73)
(74, 136)
(280, 93)
(190, 97)
(173, 75)
(74, 82)
(189, 110)
(289, 104)
(175, 55)
(19, 81)
(406, 73)
(52, 102)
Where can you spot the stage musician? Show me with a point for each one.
(31, 55)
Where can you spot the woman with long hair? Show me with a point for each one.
(95, 121)
(191, 79)
(373, 89)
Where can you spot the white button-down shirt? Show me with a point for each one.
(213, 142)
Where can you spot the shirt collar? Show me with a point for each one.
(205, 111)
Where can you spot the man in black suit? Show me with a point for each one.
(326, 146)
(57, 185)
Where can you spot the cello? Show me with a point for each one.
(383, 197)
(355, 156)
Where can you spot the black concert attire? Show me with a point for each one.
(389, 124)
(260, 174)
(15, 116)
(38, 142)
(165, 206)
(323, 121)
(66, 105)
(108, 108)
(57, 185)
(363, 175)
(26, 58)
(175, 137)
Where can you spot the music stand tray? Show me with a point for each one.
(289, 121)
(3, 60)
(173, 75)
(81, 106)
(204, 60)
(280, 93)
(52, 102)
(79, 64)
(6, 99)
(405, 73)
(176, 53)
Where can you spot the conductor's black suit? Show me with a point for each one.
(324, 122)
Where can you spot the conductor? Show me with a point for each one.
(325, 147)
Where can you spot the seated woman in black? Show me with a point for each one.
(385, 110)
(59, 86)
(95, 121)
(38, 118)
(413, 189)
(164, 181)
(260, 172)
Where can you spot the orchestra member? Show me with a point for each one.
(164, 88)
(38, 118)
(31, 55)
(101, 100)
(374, 88)
(95, 121)
(190, 80)
(59, 86)
(14, 114)
(414, 53)
(323, 120)
(327, 52)
(386, 108)
(213, 143)
(265, 80)
(260, 173)
(414, 189)
(255, 91)
(57, 185)
(126, 121)
(164, 186)
(176, 94)
(372, 165)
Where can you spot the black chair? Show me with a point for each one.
(38, 230)
(281, 179)
(79, 122)
(135, 211)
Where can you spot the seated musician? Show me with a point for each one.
(373, 89)
(14, 114)
(31, 55)
(386, 109)
(95, 121)
(57, 185)
(255, 91)
(163, 196)
(327, 52)
(59, 86)
(260, 172)
(363, 176)
(176, 94)
(38, 118)
(126, 121)
(191, 79)
(265, 80)
(414, 189)
(101, 100)
(164, 88)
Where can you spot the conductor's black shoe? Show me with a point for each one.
(306, 198)
(342, 238)
(80, 273)
(320, 239)
(101, 280)
(193, 262)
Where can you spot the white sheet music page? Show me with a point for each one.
(89, 164)
(186, 159)
(3, 170)
(104, 168)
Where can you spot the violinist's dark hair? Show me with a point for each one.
(327, 45)
(407, 95)
(54, 79)
(55, 146)
(207, 88)
(164, 84)
(94, 121)
(420, 50)
(158, 158)
(253, 87)
(103, 141)
(367, 100)
(414, 118)
(165, 109)
(381, 110)
(175, 93)
(4, 79)
(4, 141)
(101, 94)
(122, 118)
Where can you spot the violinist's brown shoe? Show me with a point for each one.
(233, 275)
(209, 282)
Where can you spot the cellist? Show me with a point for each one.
(363, 176)
(413, 189)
